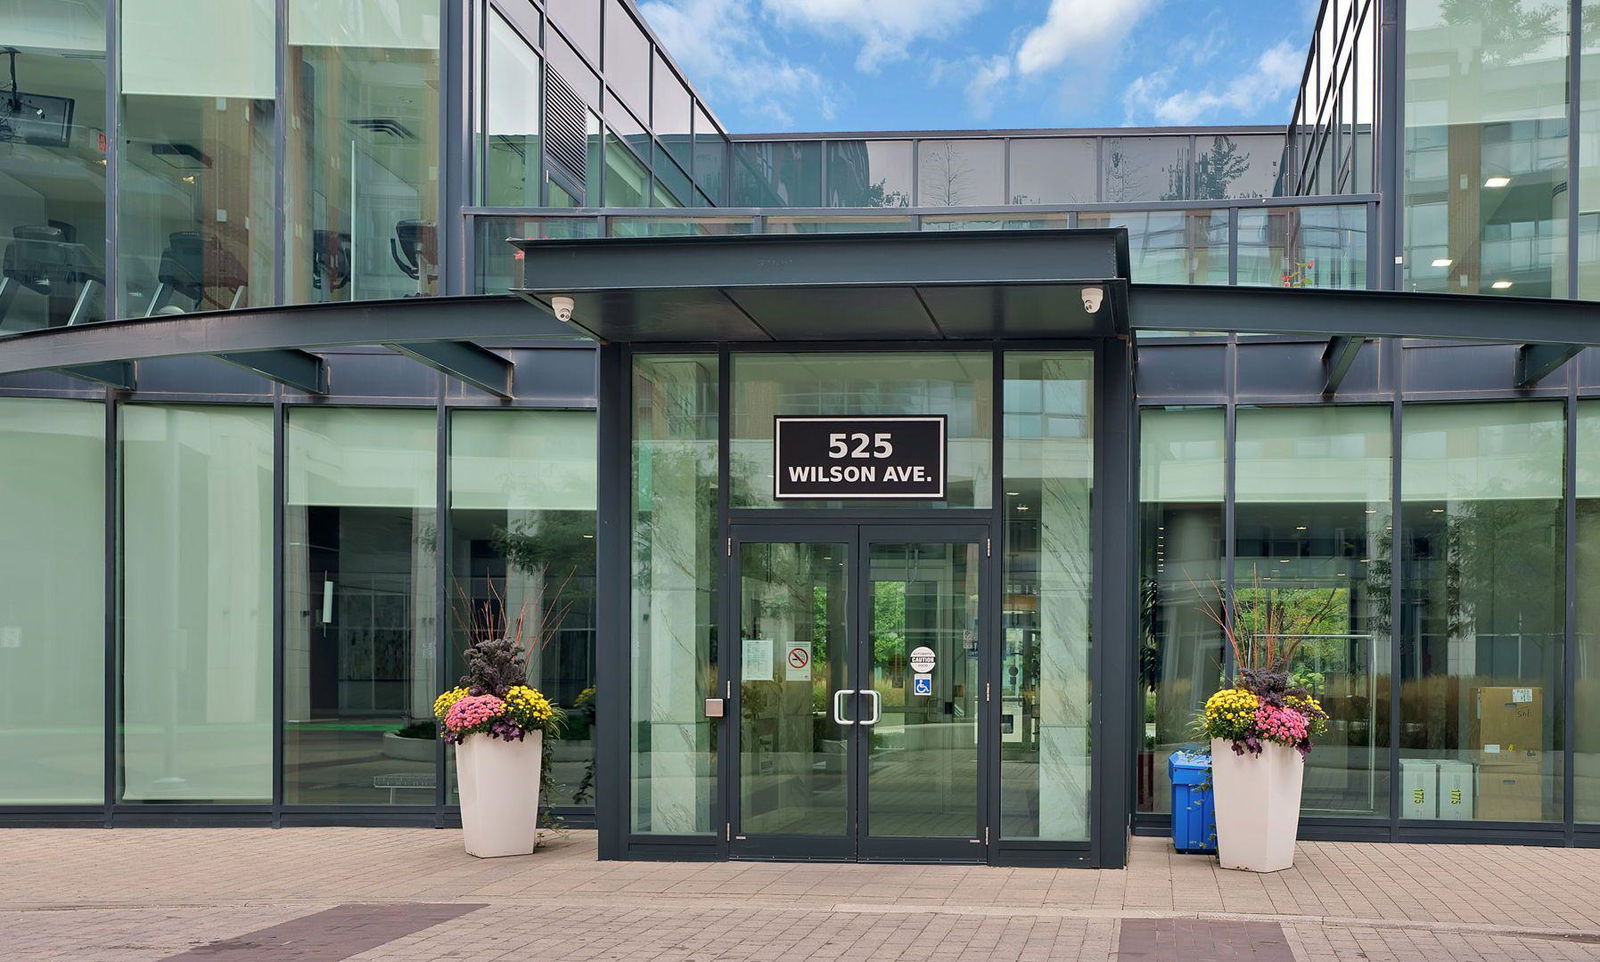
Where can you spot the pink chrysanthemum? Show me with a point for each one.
(473, 711)
(1283, 725)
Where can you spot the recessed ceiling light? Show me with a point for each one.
(1501, 285)
(1012, 494)
(1442, 262)
(1495, 183)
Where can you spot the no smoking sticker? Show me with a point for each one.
(797, 662)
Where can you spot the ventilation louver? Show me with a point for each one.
(566, 140)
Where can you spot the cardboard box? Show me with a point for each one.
(1509, 718)
(1419, 788)
(1531, 762)
(1458, 789)
(1510, 795)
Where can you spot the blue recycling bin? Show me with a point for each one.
(1194, 810)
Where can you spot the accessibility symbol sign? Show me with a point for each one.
(797, 662)
(922, 684)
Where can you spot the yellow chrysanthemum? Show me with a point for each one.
(442, 704)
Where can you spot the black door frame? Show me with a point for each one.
(857, 844)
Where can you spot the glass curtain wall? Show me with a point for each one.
(522, 537)
(1181, 468)
(673, 663)
(196, 203)
(959, 386)
(1586, 685)
(196, 705)
(510, 139)
(1483, 617)
(52, 619)
(52, 163)
(360, 606)
(362, 152)
(1486, 172)
(1312, 542)
(1045, 694)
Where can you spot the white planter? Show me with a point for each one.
(1258, 805)
(499, 783)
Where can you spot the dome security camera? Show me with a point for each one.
(562, 306)
(1093, 297)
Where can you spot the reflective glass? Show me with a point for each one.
(671, 113)
(1485, 189)
(497, 268)
(1053, 170)
(843, 223)
(1304, 246)
(675, 556)
(196, 721)
(777, 174)
(522, 536)
(710, 158)
(961, 173)
(959, 386)
(627, 179)
(360, 602)
(580, 21)
(1045, 695)
(1174, 246)
(627, 63)
(1312, 543)
(52, 619)
(869, 173)
(1482, 643)
(362, 157)
(52, 170)
(197, 204)
(566, 62)
(1181, 467)
(1586, 710)
(1235, 166)
(1144, 168)
(511, 143)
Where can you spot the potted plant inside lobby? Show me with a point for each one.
(499, 725)
(1261, 728)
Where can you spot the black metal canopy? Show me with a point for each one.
(892, 286)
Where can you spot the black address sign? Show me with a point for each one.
(835, 458)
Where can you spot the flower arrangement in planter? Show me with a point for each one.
(499, 725)
(1262, 725)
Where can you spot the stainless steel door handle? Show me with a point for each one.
(838, 717)
(877, 706)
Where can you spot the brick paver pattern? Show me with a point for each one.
(144, 895)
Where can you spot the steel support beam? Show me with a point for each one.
(1535, 362)
(117, 374)
(289, 367)
(1336, 360)
(463, 360)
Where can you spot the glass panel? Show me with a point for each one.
(794, 654)
(1180, 570)
(360, 580)
(1230, 166)
(959, 386)
(869, 173)
(627, 179)
(52, 170)
(673, 747)
(196, 604)
(627, 63)
(579, 20)
(1586, 710)
(52, 623)
(961, 173)
(1053, 170)
(522, 527)
(511, 129)
(1144, 168)
(566, 62)
(1042, 221)
(198, 156)
(1486, 147)
(670, 113)
(1304, 247)
(922, 759)
(1483, 636)
(1045, 708)
(1312, 539)
(779, 174)
(498, 266)
(670, 184)
(1172, 247)
(710, 158)
(843, 223)
(362, 155)
(664, 226)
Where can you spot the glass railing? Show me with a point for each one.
(1289, 242)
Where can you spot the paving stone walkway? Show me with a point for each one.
(405, 895)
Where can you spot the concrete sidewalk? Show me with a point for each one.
(310, 894)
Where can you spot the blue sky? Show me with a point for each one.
(806, 65)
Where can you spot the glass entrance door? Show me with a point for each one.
(859, 693)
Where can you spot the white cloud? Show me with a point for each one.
(984, 84)
(719, 44)
(1271, 79)
(1079, 30)
(885, 28)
